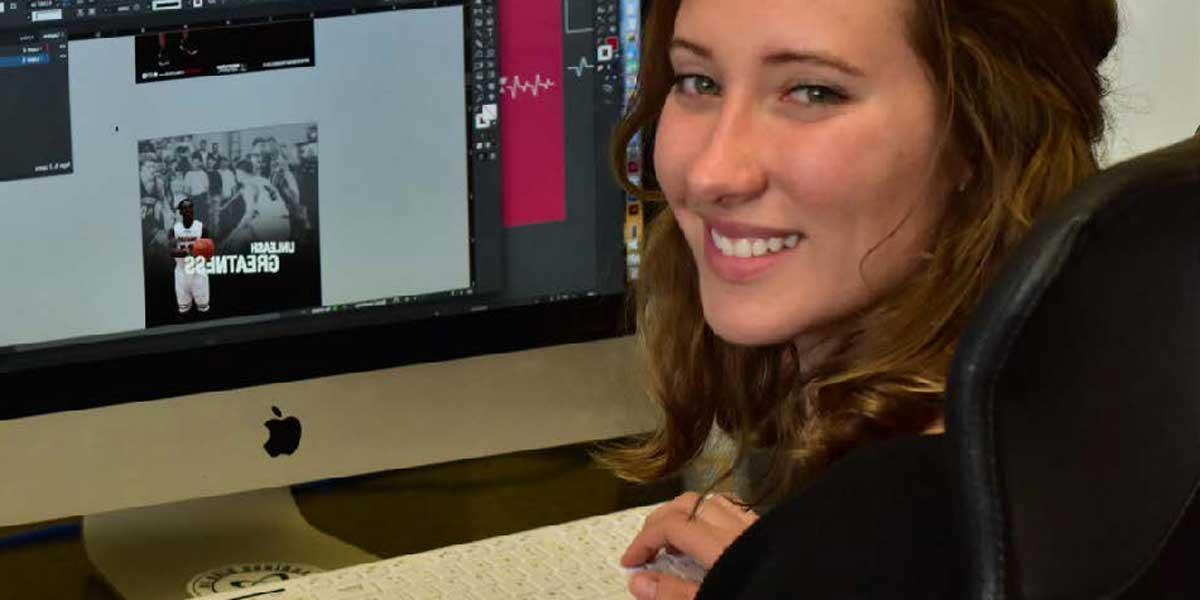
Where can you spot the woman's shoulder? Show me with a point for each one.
(879, 523)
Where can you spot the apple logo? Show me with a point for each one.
(284, 434)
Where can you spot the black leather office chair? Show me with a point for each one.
(1074, 399)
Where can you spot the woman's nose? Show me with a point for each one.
(728, 169)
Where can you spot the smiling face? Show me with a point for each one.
(800, 137)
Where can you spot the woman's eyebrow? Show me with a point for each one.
(780, 57)
(776, 57)
(679, 43)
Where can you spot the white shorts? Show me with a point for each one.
(189, 287)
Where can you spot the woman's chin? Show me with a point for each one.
(747, 330)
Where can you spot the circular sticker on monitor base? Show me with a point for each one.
(245, 575)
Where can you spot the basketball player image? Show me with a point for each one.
(189, 287)
(266, 217)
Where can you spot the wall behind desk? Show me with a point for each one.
(1154, 74)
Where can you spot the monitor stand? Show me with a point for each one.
(212, 544)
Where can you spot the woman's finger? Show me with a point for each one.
(714, 509)
(719, 512)
(681, 504)
(695, 538)
(658, 586)
(741, 514)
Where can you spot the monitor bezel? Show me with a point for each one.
(361, 343)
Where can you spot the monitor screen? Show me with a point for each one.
(230, 174)
(298, 147)
(333, 162)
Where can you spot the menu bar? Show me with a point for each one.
(76, 15)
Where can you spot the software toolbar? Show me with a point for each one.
(485, 104)
(15, 14)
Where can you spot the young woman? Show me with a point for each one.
(841, 179)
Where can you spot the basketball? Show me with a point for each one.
(204, 247)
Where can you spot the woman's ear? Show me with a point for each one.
(963, 173)
(959, 166)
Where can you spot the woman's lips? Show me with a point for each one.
(744, 257)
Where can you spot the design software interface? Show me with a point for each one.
(177, 166)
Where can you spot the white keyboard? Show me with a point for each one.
(572, 561)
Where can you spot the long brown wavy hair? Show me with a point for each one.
(1021, 97)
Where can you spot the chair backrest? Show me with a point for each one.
(1074, 398)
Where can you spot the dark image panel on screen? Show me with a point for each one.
(252, 197)
(216, 51)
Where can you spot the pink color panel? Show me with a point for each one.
(532, 128)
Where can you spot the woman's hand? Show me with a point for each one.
(717, 523)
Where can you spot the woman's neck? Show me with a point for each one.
(814, 348)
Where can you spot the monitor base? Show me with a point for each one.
(208, 545)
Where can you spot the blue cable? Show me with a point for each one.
(40, 536)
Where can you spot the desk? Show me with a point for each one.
(389, 514)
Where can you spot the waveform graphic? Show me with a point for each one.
(583, 65)
(533, 130)
(514, 86)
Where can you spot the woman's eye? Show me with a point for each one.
(696, 85)
(815, 94)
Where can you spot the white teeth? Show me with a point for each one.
(748, 247)
(724, 244)
(741, 248)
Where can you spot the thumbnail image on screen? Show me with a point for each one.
(229, 222)
(220, 51)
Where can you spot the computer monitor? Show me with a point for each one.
(391, 220)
